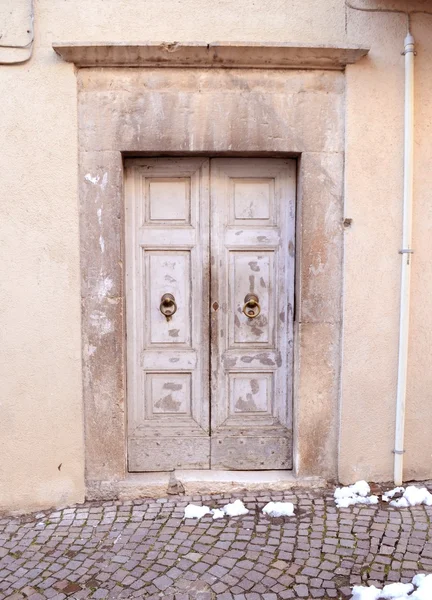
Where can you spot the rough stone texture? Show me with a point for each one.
(145, 549)
(184, 111)
(216, 54)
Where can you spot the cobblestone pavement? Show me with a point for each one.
(144, 549)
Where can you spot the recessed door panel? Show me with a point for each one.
(167, 272)
(251, 273)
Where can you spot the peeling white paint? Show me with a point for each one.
(102, 244)
(99, 216)
(104, 287)
(91, 349)
(94, 180)
(100, 321)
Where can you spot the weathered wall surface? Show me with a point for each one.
(374, 179)
(41, 424)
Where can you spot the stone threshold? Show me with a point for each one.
(233, 55)
(158, 484)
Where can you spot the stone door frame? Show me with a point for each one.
(212, 112)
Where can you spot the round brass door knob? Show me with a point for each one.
(168, 306)
(251, 306)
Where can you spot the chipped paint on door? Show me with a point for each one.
(169, 312)
(252, 208)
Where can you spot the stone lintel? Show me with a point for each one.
(237, 55)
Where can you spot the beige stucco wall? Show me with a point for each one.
(374, 176)
(41, 425)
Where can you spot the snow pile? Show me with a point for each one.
(357, 493)
(412, 496)
(218, 513)
(365, 593)
(387, 496)
(192, 511)
(233, 509)
(397, 591)
(279, 509)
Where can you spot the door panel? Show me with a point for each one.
(251, 272)
(252, 233)
(167, 242)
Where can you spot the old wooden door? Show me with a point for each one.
(253, 203)
(167, 252)
(173, 420)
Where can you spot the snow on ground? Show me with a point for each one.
(387, 496)
(357, 493)
(397, 591)
(233, 509)
(192, 511)
(413, 496)
(279, 509)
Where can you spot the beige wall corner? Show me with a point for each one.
(41, 427)
(418, 441)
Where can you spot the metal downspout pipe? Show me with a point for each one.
(405, 252)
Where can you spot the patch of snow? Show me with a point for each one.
(396, 590)
(424, 589)
(417, 579)
(235, 509)
(387, 496)
(413, 496)
(365, 593)
(279, 509)
(192, 511)
(218, 513)
(357, 493)
(361, 488)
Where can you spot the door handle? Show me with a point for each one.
(168, 306)
(251, 306)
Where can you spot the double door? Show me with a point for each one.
(209, 307)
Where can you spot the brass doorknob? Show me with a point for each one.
(168, 306)
(251, 307)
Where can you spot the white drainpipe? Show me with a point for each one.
(406, 252)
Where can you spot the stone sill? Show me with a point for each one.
(155, 485)
(237, 55)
